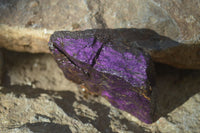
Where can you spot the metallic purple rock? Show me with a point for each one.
(121, 73)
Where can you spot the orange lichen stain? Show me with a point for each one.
(87, 92)
(146, 97)
(150, 88)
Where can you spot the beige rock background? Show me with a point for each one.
(35, 96)
(27, 24)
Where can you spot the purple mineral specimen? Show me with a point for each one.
(109, 66)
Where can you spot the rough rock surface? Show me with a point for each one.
(27, 24)
(36, 97)
(1, 66)
(108, 67)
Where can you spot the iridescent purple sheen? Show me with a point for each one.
(119, 74)
(85, 52)
(127, 66)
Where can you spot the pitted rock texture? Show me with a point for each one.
(165, 17)
(26, 25)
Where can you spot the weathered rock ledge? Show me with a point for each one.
(27, 24)
(162, 49)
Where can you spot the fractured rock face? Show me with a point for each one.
(108, 66)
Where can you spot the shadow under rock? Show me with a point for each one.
(174, 87)
(45, 127)
(101, 123)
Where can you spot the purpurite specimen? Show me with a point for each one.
(108, 65)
